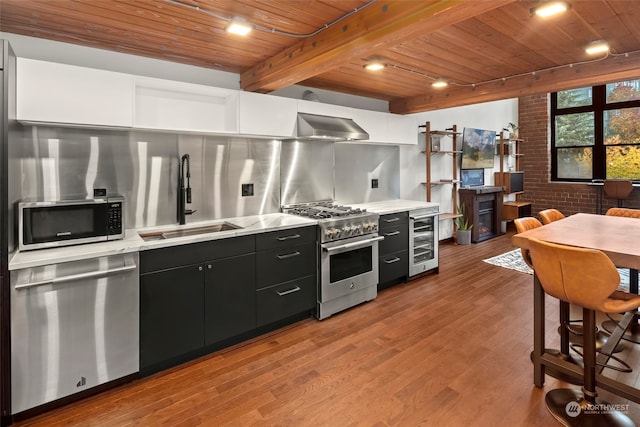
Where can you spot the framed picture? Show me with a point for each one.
(478, 148)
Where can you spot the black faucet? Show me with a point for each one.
(184, 194)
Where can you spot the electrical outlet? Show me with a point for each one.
(374, 183)
(247, 190)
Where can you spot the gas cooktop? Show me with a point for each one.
(323, 210)
(337, 222)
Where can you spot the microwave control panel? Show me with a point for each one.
(114, 219)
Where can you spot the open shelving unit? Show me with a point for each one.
(517, 208)
(429, 152)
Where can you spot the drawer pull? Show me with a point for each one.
(293, 236)
(285, 256)
(287, 292)
(392, 260)
(392, 219)
(393, 233)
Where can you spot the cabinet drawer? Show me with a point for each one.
(394, 266)
(395, 239)
(194, 253)
(286, 263)
(286, 299)
(392, 220)
(285, 238)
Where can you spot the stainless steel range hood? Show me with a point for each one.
(328, 128)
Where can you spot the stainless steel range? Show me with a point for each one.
(348, 260)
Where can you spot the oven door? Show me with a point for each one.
(348, 266)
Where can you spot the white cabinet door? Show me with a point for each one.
(374, 123)
(178, 106)
(267, 115)
(59, 93)
(403, 129)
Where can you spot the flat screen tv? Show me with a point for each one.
(471, 178)
(478, 148)
(516, 182)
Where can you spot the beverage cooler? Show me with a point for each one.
(423, 240)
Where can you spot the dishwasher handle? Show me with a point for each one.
(74, 277)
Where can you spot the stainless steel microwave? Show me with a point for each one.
(70, 222)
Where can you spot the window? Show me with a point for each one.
(595, 132)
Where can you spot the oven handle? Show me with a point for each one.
(353, 245)
(419, 217)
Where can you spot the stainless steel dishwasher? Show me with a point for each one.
(74, 325)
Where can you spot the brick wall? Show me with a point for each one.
(569, 198)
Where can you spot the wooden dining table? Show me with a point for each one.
(618, 238)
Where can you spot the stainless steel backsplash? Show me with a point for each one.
(51, 162)
(143, 166)
(357, 164)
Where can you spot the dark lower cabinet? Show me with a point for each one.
(286, 283)
(171, 314)
(229, 297)
(185, 308)
(393, 251)
(200, 297)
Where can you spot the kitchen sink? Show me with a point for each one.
(184, 232)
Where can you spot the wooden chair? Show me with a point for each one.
(549, 215)
(626, 212)
(633, 334)
(618, 189)
(524, 224)
(587, 278)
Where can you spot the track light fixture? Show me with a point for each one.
(551, 8)
(238, 26)
(598, 46)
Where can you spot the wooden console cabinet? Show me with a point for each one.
(483, 209)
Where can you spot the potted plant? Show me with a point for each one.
(512, 128)
(463, 235)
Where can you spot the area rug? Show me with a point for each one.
(513, 260)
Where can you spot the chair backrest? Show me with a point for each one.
(549, 215)
(585, 277)
(524, 224)
(617, 188)
(631, 213)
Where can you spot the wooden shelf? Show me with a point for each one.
(453, 177)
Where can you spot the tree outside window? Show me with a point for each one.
(582, 152)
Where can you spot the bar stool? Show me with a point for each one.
(588, 278)
(523, 224)
(528, 223)
(549, 215)
(633, 333)
(618, 189)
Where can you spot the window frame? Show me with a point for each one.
(598, 107)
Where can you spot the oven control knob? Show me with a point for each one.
(358, 229)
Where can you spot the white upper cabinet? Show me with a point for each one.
(59, 93)
(267, 115)
(374, 123)
(402, 129)
(178, 106)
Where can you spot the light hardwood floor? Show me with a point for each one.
(450, 349)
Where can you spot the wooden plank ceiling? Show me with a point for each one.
(487, 50)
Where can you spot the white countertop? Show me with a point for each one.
(133, 242)
(393, 206)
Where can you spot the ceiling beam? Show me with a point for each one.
(381, 25)
(609, 70)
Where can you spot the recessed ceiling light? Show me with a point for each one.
(551, 8)
(238, 26)
(440, 83)
(374, 66)
(599, 46)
